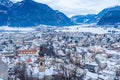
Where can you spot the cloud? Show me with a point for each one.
(76, 7)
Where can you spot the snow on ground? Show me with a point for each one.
(80, 28)
(15, 29)
(91, 30)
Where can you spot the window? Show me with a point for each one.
(41, 63)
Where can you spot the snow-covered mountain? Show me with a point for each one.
(6, 3)
(83, 18)
(108, 16)
(112, 16)
(3, 15)
(29, 13)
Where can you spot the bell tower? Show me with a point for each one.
(41, 59)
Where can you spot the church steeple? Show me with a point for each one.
(41, 52)
(41, 59)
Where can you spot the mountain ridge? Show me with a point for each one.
(30, 13)
(100, 18)
(112, 17)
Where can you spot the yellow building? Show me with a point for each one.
(42, 64)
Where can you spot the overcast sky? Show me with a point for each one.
(78, 7)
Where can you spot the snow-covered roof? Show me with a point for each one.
(112, 52)
(109, 72)
(92, 75)
(103, 77)
(60, 52)
(92, 63)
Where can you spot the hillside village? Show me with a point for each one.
(59, 55)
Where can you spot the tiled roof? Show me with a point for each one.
(27, 51)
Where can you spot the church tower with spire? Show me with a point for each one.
(41, 59)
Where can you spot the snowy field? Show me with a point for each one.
(95, 30)
(78, 28)
(6, 28)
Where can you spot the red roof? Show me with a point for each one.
(37, 48)
(29, 60)
(27, 51)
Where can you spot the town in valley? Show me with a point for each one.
(51, 53)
